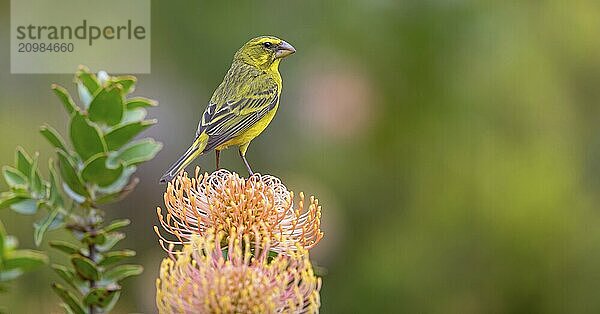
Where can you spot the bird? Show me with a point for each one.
(242, 106)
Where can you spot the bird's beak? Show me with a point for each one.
(284, 49)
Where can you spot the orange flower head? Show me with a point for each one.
(225, 201)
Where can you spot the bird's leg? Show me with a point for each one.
(217, 153)
(247, 164)
(243, 149)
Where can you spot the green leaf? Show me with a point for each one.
(70, 176)
(35, 181)
(135, 153)
(23, 161)
(108, 307)
(14, 177)
(73, 195)
(119, 195)
(64, 247)
(121, 134)
(85, 137)
(107, 106)
(85, 267)
(70, 277)
(95, 171)
(25, 260)
(140, 102)
(58, 222)
(54, 198)
(100, 297)
(112, 239)
(122, 184)
(127, 82)
(116, 225)
(65, 98)
(11, 197)
(53, 137)
(134, 115)
(25, 207)
(42, 226)
(68, 298)
(88, 79)
(121, 272)
(115, 257)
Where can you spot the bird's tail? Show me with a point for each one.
(194, 151)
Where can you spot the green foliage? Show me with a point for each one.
(95, 273)
(64, 247)
(135, 153)
(94, 167)
(65, 98)
(70, 301)
(29, 191)
(86, 137)
(96, 170)
(53, 137)
(13, 262)
(119, 135)
(107, 106)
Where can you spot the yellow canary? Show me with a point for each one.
(243, 105)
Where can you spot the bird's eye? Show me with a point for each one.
(267, 44)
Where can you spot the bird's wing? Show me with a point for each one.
(222, 122)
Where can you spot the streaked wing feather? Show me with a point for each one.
(231, 119)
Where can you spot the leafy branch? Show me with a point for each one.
(94, 168)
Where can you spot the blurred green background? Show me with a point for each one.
(454, 145)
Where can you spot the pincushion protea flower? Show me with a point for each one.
(224, 200)
(202, 280)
